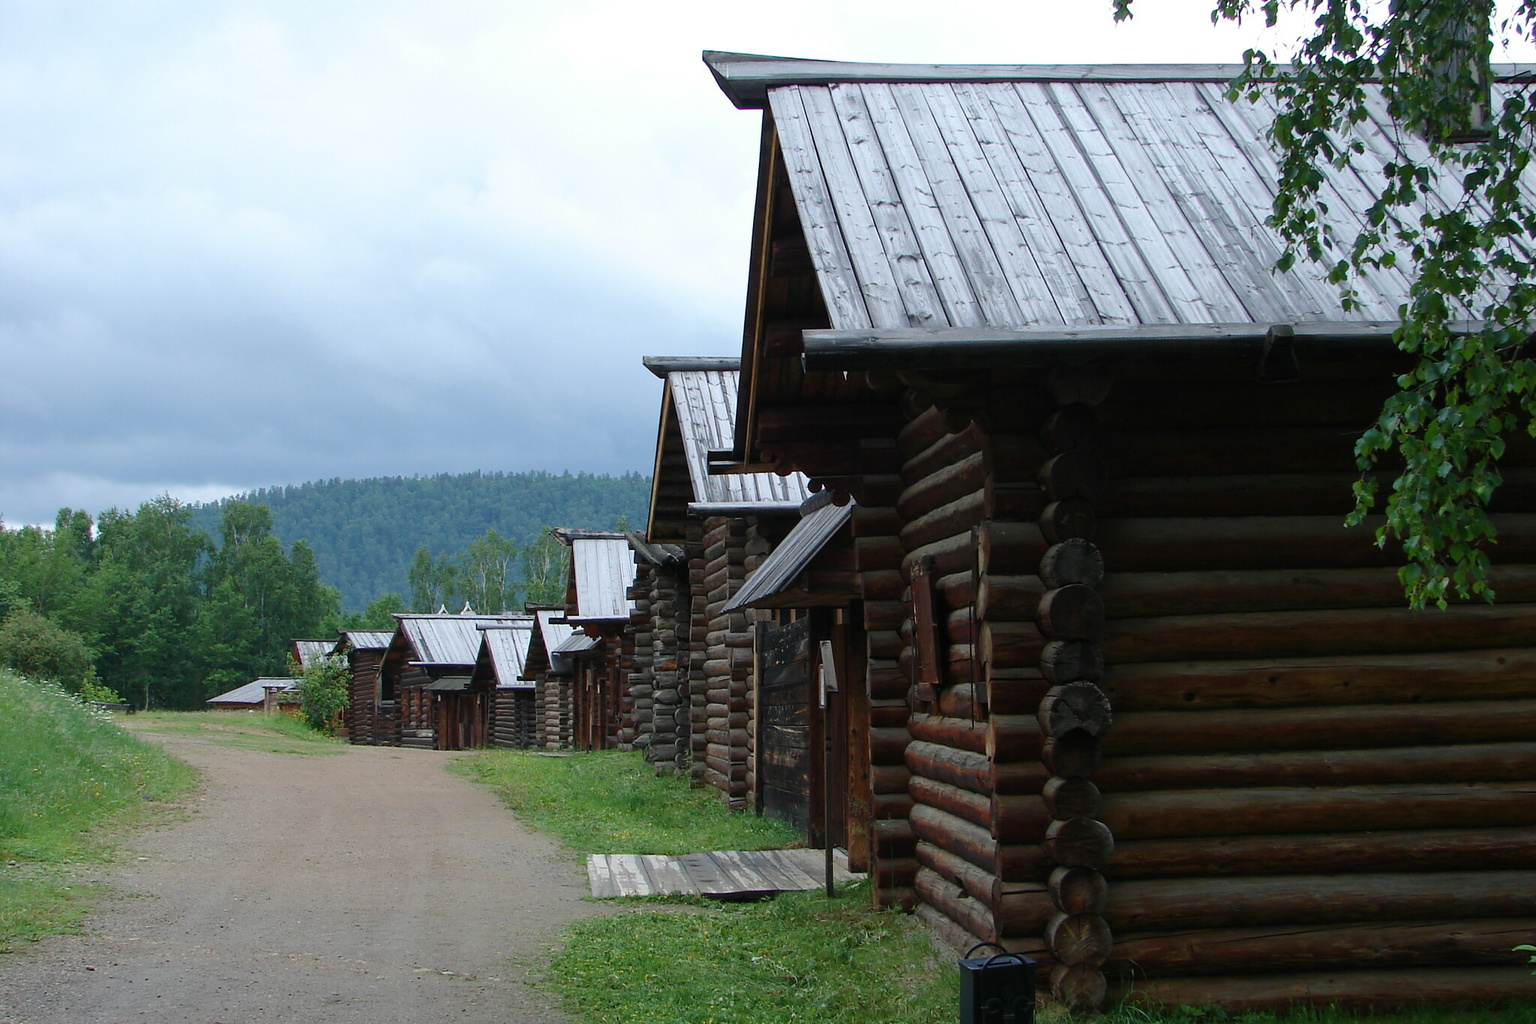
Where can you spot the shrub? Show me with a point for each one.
(39, 648)
(323, 693)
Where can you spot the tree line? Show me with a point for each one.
(365, 532)
(147, 607)
(150, 608)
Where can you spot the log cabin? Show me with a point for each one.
(364, 650)
(549, 669)
(725, 525)
(426, 673)
(499, 671)
(598, 607)
(1165, 722)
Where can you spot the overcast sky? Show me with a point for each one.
(246, 244)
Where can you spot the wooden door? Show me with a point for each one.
(788, 742)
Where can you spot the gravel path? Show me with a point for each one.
(369, 886)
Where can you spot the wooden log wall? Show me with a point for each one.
(728, 662)
(1314, 794)
(1009, 846)
(668, 747)
(513, 723)
(555, 702)
(363, 695)
(641, 689)
(880, 741)
(698, 653)
(763, 535)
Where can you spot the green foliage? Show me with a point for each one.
(612, 802)
(1528, 949)
(258, 600)
(1466, 253)
(797, 957)
(546, 563)
(38, 648)
(66, 771)
(364, 532)
(323, 693)
(432, 582)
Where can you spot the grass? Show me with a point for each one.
(611, 802)
(797, 957)
(249, 730)
(70, 782)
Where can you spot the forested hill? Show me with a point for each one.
(364, 532)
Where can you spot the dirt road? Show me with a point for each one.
(369, 886)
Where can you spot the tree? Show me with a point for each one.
(259, 599)
(485, 573)
(433, 582)
(1457, 220)
(147, 594)
(546, 562)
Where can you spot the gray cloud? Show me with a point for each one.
(261, 243)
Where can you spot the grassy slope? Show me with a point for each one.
(69, 780)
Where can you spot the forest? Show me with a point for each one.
(156, 608)
(366, 533)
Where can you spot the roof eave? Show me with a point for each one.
(962, 348)
(745, 78)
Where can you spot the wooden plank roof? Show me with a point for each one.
(253, 692)
(602, 569)
(965, 198)
(505, 649)
(791, 558)
(445, 639)
(698, 416)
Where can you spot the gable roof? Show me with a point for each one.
(550, 631)
(1050, 196)
(253, 692)
(363, 640)
(698, 416)
(439, 639)
(306, 652)
(504, 651)
(1056, 205)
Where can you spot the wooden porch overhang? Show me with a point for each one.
(780, 581)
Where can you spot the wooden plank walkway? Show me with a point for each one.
(723, 875)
